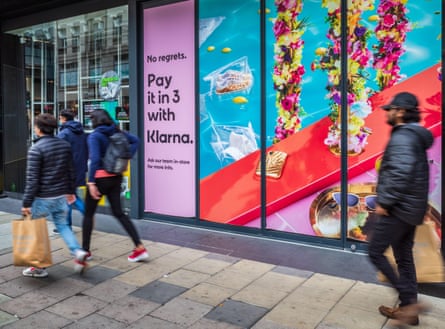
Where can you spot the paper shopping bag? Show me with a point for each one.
(30, 242)
(427, 255)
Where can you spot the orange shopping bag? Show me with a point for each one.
(30, 242)
(427, 255)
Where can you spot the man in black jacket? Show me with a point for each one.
(402, 201)
(49, 185)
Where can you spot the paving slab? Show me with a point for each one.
(237, 313)
(128, 309)
(146, 273)
(207, 323)
(181, 311)
(209, 294)
(42, 319)
(6, 318)
(110, 290)
(153, 322)
(185, 278)
(96, 321)
(21, 285)
(64, 288)
(158, 292)
(208, 265)
(97, 274)
(77, 307)
(26, 304)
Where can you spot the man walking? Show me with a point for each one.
(72, 132)
(402, 201)
(49, 185)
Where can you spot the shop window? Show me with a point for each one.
(68, 75)
(75, 36)
(121, 66)
(97, 40)
(61, 40)
(117, 30)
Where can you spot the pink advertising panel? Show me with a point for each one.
(169, 109)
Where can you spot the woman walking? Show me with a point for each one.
(101, 182)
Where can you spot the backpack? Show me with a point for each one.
(117, 154)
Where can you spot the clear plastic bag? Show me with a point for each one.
(233, 77)
(231, 143)
(207, 26)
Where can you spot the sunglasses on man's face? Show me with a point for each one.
(353, 200)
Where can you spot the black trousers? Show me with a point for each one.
(111, 187)
(391, 231)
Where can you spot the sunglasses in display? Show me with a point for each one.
(354, 200)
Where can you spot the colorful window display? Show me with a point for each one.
(391, 45)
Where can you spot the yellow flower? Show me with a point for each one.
(331, 5)
(320, 51)
(355, 123)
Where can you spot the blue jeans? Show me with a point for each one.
(79, 204)
(56, 210)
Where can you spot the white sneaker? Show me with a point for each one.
(138, 255)
(80, 263)
(35, 272)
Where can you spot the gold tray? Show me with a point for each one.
(325, 214)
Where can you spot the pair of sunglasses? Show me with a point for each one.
(353, 200)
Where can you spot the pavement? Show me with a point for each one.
(197, 279)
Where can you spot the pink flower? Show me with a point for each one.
(280, 28)
(300, 70)
(384, 6)
(287, 103)
(283, 5)
(389, 20)
(277, 70)
(298, 44)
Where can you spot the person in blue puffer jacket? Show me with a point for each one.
(100, 182)
(72, 131)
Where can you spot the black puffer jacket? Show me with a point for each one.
(49, 170)
(403, 181)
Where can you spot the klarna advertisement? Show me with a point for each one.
(169, 109)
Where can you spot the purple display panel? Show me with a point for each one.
(169, 109)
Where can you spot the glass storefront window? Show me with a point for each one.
(68, 64)
(65, 62)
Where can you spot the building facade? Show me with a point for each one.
(238, 105)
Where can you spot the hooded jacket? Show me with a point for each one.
(403, 182)
(98, 142)
(72, 131)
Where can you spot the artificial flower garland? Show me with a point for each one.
(288, 70)
(391, 34)
(358, 58)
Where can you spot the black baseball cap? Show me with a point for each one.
(404, 100)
